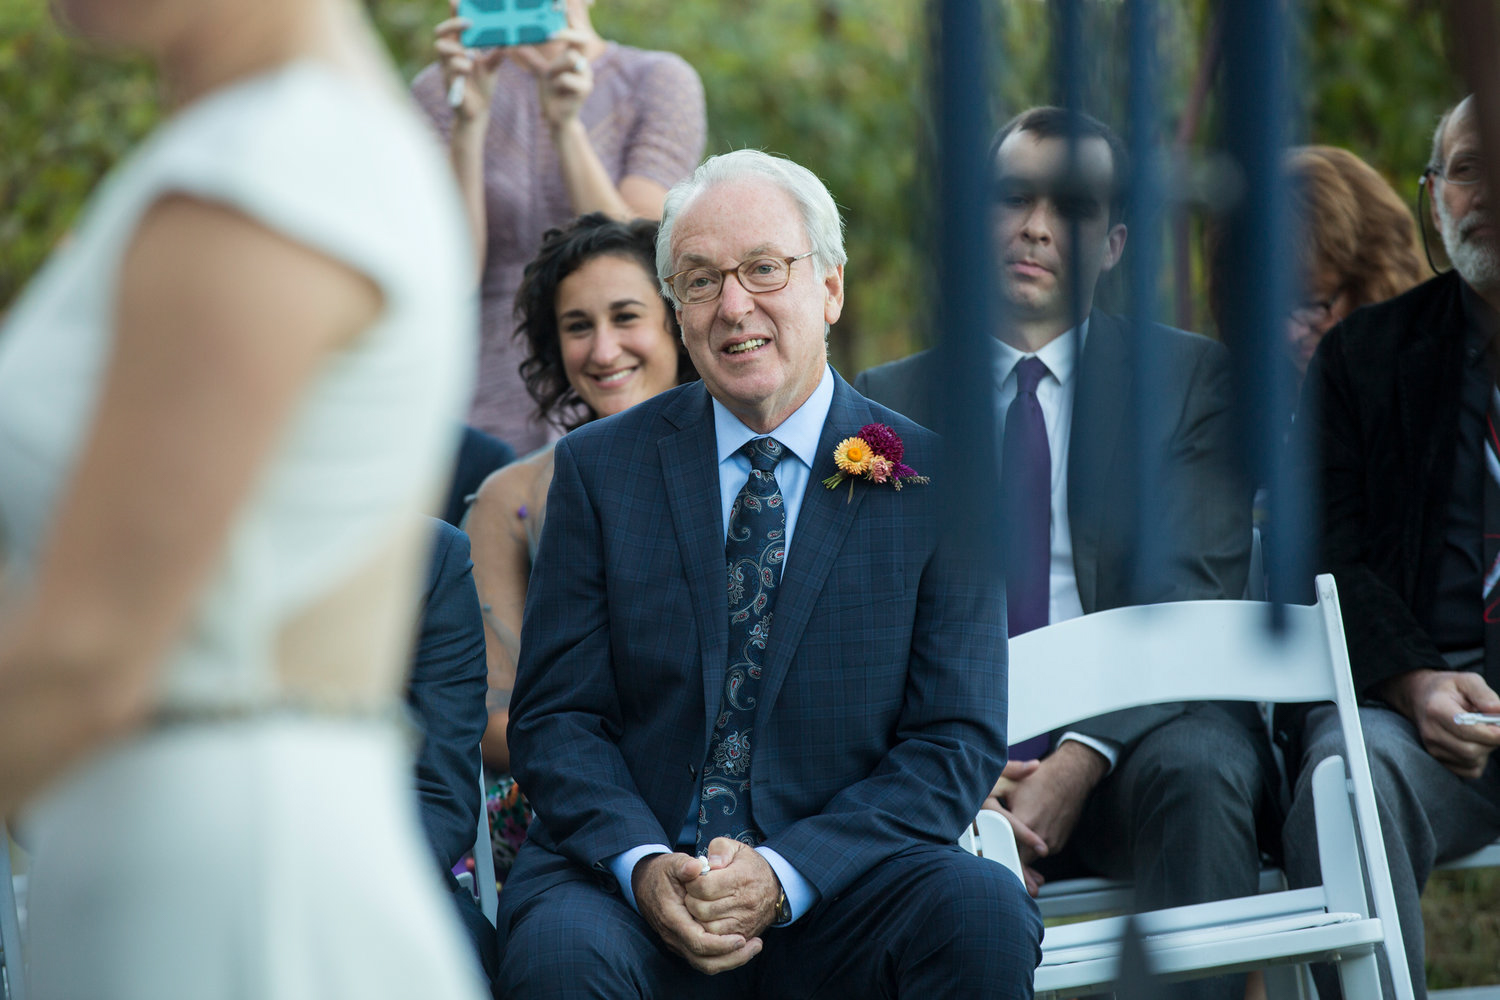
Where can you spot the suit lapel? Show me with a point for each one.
(822, 525)
(1100, 410)
(690, 470)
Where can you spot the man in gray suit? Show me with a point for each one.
(1167, 795)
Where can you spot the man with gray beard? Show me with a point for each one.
(1406, 411)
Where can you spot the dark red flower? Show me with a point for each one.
(883, 441)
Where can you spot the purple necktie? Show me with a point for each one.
(1026, 504)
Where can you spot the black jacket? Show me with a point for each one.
(1383, 391)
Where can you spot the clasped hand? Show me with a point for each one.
(712, 919)
(1043, 800)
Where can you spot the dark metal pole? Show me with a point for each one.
(1187, 132)
(1472, 30)
(1143, 263)
(1071, 86)
(1259, 289)
(965, 279)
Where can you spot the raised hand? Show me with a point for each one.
(563, 74)
(476, 67)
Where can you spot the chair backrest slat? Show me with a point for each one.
(1198, 650)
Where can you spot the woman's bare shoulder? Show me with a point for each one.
(512, 487)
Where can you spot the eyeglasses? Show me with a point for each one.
(760, 274)
(1312, 314)
(1463, 171)
(1317, 313)
(1466, 170)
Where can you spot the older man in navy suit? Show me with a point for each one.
(753, 713)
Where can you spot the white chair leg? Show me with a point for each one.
(998, 841)
(484, 860)
(1286, 982)
(10, 926)
(1360, 977)
(1338, 847)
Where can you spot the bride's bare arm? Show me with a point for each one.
(220, 325)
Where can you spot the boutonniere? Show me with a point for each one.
(874, 454)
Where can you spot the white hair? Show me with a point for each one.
(820, 216)
(1440, 135)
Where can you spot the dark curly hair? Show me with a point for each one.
(563, 251)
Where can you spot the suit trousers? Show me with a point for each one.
(1178, 817)
(1428, 815)
(931, 922)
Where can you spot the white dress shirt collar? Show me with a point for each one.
(799, 432)
(1060, 355)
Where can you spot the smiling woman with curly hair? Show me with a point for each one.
(565, 395)
(599, 337)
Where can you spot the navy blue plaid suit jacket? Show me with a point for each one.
(881, 722)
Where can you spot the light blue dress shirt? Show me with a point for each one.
(799, 434)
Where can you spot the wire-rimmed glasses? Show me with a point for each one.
(1464, 170)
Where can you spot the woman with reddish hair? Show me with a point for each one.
(1356, 244)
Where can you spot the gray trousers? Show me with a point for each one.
(1428, 815)
(1177, 816)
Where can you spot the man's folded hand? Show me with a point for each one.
(1043, 802)
(661, 883)
(738, 895)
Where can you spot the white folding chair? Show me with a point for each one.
(484, 859)
(12, 957)
(480, 883)
(1217, 651)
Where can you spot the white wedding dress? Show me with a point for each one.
(247, 843)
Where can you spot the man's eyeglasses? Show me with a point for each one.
(1463, 171)
(760, 274)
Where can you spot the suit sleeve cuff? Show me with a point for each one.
(622, 866)
(800, 895)
(1108, 749)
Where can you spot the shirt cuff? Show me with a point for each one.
(800, 895)
(622, 866)
(1108, 749)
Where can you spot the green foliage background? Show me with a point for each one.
(839, 85)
